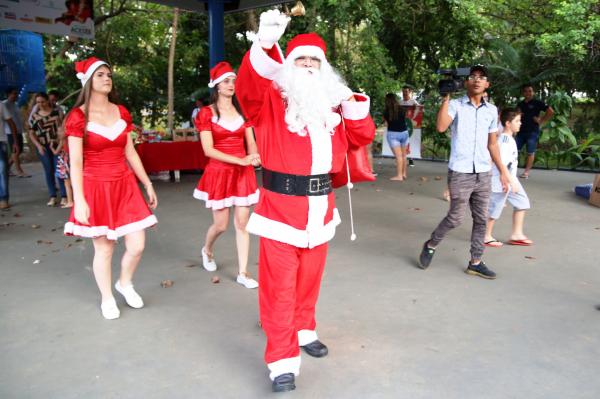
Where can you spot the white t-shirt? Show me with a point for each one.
(2, 133)
(11, 111)
(510, 157)
(409, 103)
(194, 114)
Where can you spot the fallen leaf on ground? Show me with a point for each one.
(35, 226)
(166, 283)
(68, 245)
(411, 193)
(17, 215)
(529, 257)
(215, 279)
(45, 242)
(55, 250)
(191, 265)
(423, 179)
(438, 178)
(79, 240)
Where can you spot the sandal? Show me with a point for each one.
(493, 243)
(524, 175)
(525, 242)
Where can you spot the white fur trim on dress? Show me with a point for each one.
(221, 78)
(227, 202)
(264, 65)
(283, 366)
(278, 231)
(108, 132)
(356, 110)
(99, 231)
(84, 77)
(305, 337)
(306, 51)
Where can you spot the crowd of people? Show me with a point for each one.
(294, 116)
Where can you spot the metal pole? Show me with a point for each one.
(216, 35)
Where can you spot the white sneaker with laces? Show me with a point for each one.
(131, 297)
(110, 310)
(208, 263)
(246, 281)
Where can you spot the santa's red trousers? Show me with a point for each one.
(289, 282)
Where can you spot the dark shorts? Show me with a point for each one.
(11, 141)
(531, 139)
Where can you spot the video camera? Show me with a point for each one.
(454, 80)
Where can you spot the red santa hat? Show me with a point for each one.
(219, 73)
(86, 68)
(306, 44)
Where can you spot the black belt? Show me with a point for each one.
(284, 183)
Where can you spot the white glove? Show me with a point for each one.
(272, 26)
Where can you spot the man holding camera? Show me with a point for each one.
(474, 124)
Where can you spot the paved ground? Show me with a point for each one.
(394, 331)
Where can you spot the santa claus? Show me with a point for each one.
(305, 119)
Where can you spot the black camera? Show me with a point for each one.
(454, 80)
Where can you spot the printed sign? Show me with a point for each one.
(73, 18)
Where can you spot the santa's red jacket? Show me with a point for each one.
(301, 221)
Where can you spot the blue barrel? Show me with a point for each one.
(22, 62)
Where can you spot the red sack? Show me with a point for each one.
(360, 170)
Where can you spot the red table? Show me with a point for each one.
(172, 155)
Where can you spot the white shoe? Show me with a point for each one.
(246, 281)
(131, 297)
(110, 310)
(208, 263)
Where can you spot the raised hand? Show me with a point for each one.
(272, 26)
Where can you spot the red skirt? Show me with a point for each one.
(117, 208)
(224, 185)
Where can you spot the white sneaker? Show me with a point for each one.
(246, 281)
(208, 263)
(110, 310)
(131, 297)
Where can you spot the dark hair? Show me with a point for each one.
(214, 97)
(86, 92)
(53, 93)
(526, 85)
(508, 115)
(11, 90)
(392, 107)
(41, 94)
(407, 86)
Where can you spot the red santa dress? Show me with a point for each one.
(224, 184)
(294, 230)
(117, 206)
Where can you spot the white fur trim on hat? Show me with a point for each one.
(307, 51)
(84, 77)
(221, 78)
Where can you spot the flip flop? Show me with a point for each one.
(524, 176)
(493, 243)
(525, 243)
(24, 176)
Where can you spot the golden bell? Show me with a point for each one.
(298, 10)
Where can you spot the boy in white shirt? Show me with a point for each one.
(510, 119)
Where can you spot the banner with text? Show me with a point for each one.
(73, 18)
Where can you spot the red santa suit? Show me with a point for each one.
(294, 229)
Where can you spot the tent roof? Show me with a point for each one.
(200, 5)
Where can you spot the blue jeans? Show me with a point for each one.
(530, 139)
(49, 163)
(3, 171)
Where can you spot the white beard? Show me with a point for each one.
(311, 96)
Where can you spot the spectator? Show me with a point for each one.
(198, 106)
(530, 124)
(53, 97)
(13, 127)
(397, 133)
(474, 124)
(44, 135)
(4, 204)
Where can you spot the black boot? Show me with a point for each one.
(316, 349)
(284, 383)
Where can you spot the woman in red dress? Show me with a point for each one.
(229, 179)
(104, 166)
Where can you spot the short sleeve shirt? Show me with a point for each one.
(529, 110)
(470, 129)
(509, 154)
(11, 111)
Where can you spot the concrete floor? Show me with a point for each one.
(394, 331)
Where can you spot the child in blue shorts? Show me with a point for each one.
(516, 196)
